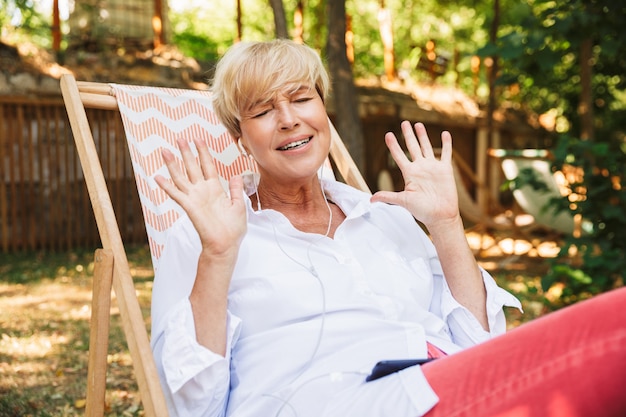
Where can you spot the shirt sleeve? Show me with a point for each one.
(464, 327)
(196, 380)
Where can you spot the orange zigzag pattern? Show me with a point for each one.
(158, 128)
(156, 98)
(153, 161)
(156, 249)
(156, 195)
(184, 110)
(160, 221)
(170, 91)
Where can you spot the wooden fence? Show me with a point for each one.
(44, 204)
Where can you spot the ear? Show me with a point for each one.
(242, 148)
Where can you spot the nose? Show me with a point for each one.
(287, 117)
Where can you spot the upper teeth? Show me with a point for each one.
(294, 144)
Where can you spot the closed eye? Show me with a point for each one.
(260, 114)
(260, 110)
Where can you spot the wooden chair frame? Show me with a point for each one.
(111, 264)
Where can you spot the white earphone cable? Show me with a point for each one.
(311, 269)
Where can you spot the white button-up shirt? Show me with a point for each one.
(309, 316)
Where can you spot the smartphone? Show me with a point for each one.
(384, 368)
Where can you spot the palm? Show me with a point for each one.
(429, 188)
(426, 191)
(219, 219)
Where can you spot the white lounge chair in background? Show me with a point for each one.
(536, 202)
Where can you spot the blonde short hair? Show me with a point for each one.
(250, 72)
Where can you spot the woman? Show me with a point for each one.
(279, 300)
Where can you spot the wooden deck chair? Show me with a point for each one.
(153, 118)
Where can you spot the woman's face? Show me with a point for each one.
(288, 134)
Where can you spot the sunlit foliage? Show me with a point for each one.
(538, 50)
(21, 19)
(540, 53)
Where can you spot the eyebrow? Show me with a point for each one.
(252, 108)
(303, 88)
(263, 102)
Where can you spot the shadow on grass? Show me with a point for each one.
(44, 334)
(30, 267)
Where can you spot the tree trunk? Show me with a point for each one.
(56, 27)
(318, 38)
(492, 72)
(386, 33)
(239, 25)
(298, 22)
(585, 106)
(280, 21)
(344, 94)
(157, 24)
(490, 170)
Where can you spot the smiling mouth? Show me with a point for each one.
(294, 145)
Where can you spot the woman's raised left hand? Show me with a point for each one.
(219, 218)
(430, 192)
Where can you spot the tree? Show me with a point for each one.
(585, 104)
(239, 26)
(493, 71)
(386, 34)
(21, 19)
(570, 56)
(344, 93)
(280, 21)
(298, 21)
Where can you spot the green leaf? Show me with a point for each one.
(612, 212)
(489, 49)
(600, 149)
(511, 52)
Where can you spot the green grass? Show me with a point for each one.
(44, 335)
(32, 267)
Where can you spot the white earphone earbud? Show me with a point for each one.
(241, 148)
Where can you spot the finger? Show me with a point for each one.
(206, 160)
(194, 173)
(411, 141)
(396, 151)
(178, 177)
(169, 188)
(425, 145)
(446, 146)
(235, 185)
(388, 197)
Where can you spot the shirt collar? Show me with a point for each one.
(353, 202)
